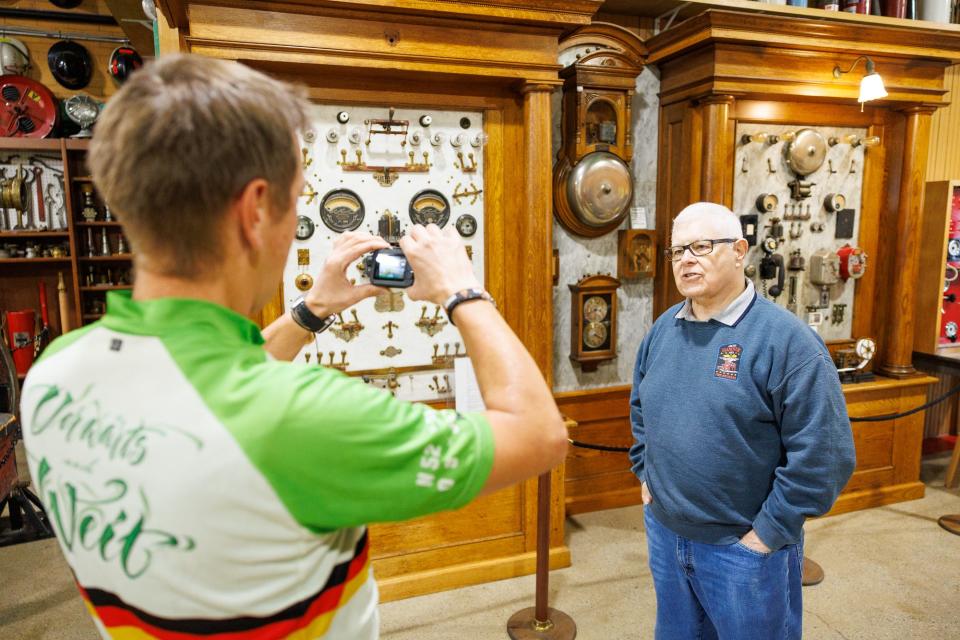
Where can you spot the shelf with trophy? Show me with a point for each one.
(104, 262)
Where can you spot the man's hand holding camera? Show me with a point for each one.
(437, 256)
(332, 291)
(440, 262)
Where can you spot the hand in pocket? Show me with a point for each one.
(645, 493)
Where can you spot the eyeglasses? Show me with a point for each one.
(697, 248)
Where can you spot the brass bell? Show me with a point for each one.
(304, 281)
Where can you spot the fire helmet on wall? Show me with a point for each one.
(123, 62)
(14, 56)
(70, 64)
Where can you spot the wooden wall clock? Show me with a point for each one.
(592, 182)
(593, 317)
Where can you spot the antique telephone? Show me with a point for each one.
(771, 264)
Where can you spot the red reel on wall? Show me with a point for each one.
(29, 109)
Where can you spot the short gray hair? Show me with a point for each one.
(722, 219)
(179, 141)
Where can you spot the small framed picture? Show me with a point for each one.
(637, 254)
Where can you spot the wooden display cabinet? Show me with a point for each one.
(941, 204)
(722, 68)
(499, 57)
(19, 277)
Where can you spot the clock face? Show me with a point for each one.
(595, 309)
(594, 335)
(305, 228)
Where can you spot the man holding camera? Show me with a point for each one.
(200, 485)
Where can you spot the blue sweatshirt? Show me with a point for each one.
(739, 427)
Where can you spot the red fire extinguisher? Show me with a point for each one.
(21, 331)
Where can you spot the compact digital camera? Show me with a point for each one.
(388, 268)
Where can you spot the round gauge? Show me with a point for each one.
(343, 117)
(950, 330)
(865, 348)
(303, 282)
(429, 207)
(341, 210)
(595, 309)
(953, 249)
(767, 202)
(835, 201)
(594, 335)
(466, 225)
(426, 120)
(305, 228)
(770, 244)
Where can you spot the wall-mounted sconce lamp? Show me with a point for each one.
(871, 85)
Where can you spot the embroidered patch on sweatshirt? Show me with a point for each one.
(728, 361)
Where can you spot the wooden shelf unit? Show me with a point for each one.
(17, 235)
(689, 8)
(20, 276)
(33, 260)
(937, 207)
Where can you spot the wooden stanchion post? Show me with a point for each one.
(540, 622)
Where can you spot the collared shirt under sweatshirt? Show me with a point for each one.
(739, 422)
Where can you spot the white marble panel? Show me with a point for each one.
(760, 168)
(580, 256)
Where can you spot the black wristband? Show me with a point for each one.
(302, 315)
(465, 295)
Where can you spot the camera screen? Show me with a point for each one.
(390, 267)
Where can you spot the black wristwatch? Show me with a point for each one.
(465, 295)
(306, 319)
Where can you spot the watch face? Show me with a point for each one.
(595, 309)
(466, 225)
(594, 335)
(305, 227)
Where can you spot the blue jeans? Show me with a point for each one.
(725, 592)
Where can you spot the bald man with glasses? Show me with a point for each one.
(741, 433)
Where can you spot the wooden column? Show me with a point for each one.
(898, 352)
(716, 184)
(534, 237)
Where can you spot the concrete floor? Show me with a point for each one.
(891, 573)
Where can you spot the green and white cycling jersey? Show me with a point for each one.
(200, 488)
